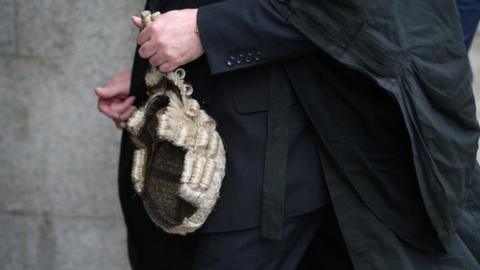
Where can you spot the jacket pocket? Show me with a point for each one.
(251, 89)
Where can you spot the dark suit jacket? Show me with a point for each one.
(232, 85)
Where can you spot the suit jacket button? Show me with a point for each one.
(248, 59)
(257, 55)
(229, 63)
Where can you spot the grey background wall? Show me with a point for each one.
(475, 62)
(58, 156)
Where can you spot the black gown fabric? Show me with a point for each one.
(412, 53)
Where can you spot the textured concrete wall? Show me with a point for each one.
(474, 55)
(475, 62)
(58, 156)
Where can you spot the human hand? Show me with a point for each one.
(171, 40)
(114, 100)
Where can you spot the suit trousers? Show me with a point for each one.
(310, 241)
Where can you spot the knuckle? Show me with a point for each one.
(167, 61)
(175, 63)
(102, 110)
(160, 42)
(155, 27)
(172, 63)
(169, 54)
(152, 62)
(164, 68)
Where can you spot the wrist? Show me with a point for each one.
(196, 30)
(195, 27)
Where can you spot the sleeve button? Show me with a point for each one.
(229, 63)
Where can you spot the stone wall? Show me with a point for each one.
(59, 207)
(475, 62)
(58, 156)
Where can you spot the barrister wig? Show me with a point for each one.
(179, 161)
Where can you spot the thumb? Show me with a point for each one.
(101, 92)
(137, 21)
(107, 92)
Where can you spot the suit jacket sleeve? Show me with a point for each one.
(239, 34)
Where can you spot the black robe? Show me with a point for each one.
(413, 53)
